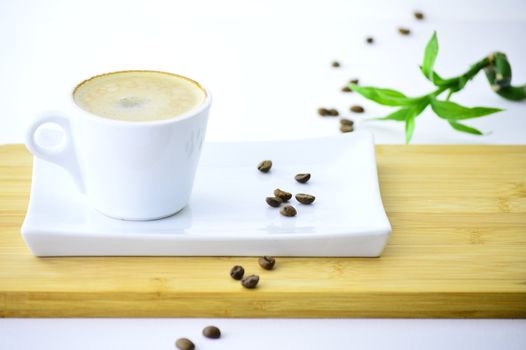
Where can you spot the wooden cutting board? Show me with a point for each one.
(458, 249)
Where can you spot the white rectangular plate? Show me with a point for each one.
(227, 214)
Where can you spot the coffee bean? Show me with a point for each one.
(237, 272)
(418, 15)
(265, 166)
(345, 121)
(304, 198)
(288, 210)
(323, 112)
(354, 81)
(404, 31)
(333, 112)
(335, 64)
(267, 262)
(302, 178)
(346, 128)
(250, 281)
(357, 109)
(212, 332)
(274, 202)
(184, 344)
(284, 196)
(369, 40)
(346, 89)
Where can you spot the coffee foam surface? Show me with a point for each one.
(138, 95)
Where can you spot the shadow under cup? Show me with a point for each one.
(131, 169)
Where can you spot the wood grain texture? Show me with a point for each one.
(458, 249)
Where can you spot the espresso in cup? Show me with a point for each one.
(132, 141)
(139, 95)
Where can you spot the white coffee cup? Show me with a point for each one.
(127, 170)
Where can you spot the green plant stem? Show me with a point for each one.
(438, 91)
(477, 67)
(456, 84)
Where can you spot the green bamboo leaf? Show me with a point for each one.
(414, 112)
(464, 128)
(430, 56)
(409, 129)
(407, 112)
(453, 111)
(399, 115)
(386, 97)
(438, 80)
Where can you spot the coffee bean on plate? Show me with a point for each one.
(283, 195)
(184, 344)
(265, 166)
(369, 40)
(274, 202)
(250, 282)
(288, 210)
(354, 81)
(302, 178)
(346, 89)
(237, 272)
(335, 64)
(304, 198)
(212, 332)
(267, 262)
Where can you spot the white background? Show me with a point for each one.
(268, 66)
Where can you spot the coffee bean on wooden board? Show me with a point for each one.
(267, 262)
(184, 344)
(237, 272)
(250, 282)
(212, 332)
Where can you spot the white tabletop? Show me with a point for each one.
(268, 64)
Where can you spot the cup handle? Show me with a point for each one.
(63, 154)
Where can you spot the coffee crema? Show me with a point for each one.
(139, 95)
